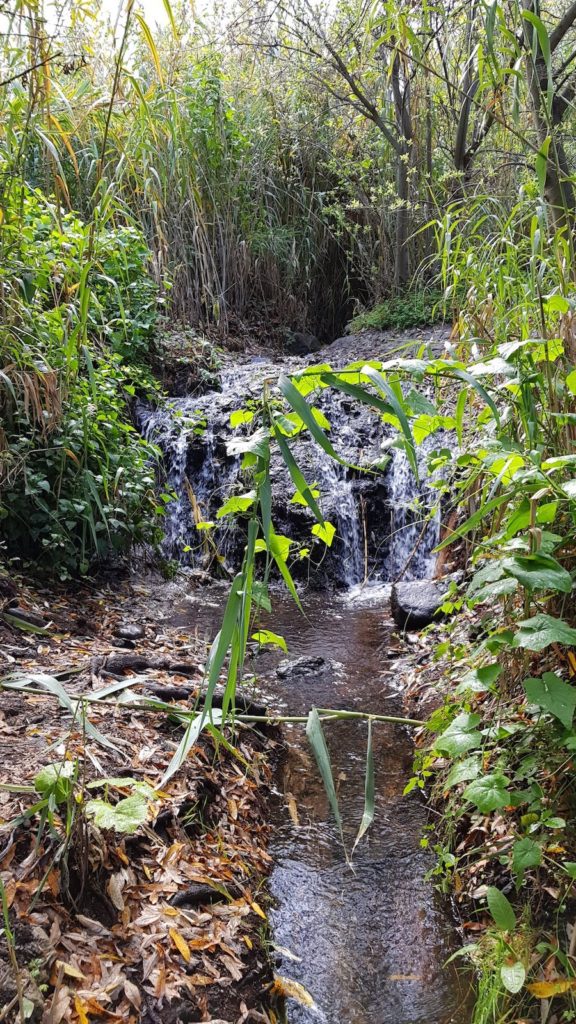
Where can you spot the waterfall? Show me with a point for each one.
(392, 512)
(414, 517)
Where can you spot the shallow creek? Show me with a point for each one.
(369, 944)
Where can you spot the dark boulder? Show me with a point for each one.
(298, 343)
(302, 667)
(129, 631)
(414, 604)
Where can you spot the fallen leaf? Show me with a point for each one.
(288, 989)
(79, 1007)
(180, 943)
(68, 969)
(548, 989)
(258, 910)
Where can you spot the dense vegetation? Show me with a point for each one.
(292, 169)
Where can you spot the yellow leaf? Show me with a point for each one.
(180, 943)
(258, 910)
(248, 941)
(79, 1007)
(548, 989)
(71, 971)
(286, 988)
(171, 911)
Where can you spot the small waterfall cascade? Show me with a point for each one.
(387, 523)
(414, 517)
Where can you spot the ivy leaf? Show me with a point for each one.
(266, 636)
(324, 532)
(489, 792)
(463, 771)
(125, 816)
(553, 695)
(460, 736)
(513, 976)
(501, 910)
(539, 572)
(542, 630)
(237, 503)
(240, 416)
(526, 854)
(480, 679)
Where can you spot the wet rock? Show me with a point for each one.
(129, 631)
(415, 604)
(301, 667)
(195, 895)
(298, 343)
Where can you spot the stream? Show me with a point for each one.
(369, 943)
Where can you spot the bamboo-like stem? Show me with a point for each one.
(158, 707)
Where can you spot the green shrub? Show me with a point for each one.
(416, 309)
(76, 479)
(86, 490)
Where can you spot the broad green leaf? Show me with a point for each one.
(460, 736)
(501, 909)
(541, 630)
(266, 636)
(369, 803)
(240, 416)
(261, 596)
(554, 695)
(489, 792)
(125, 816)
(526, 853)
(539, 572)
(480, 679)
(237, 503)
(56, 780)
(325, 532)
(317, 741)
(257, 444)
(571, 382)
(513, 976)
(463, 771)
(500, 588)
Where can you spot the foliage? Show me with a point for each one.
(77, 480)
(415, 309)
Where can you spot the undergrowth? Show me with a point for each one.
(401, 312)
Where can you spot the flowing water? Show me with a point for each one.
(368, 942)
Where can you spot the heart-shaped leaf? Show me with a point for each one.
(489, 792)
(554, 695)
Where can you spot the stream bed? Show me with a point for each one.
(368, 944)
